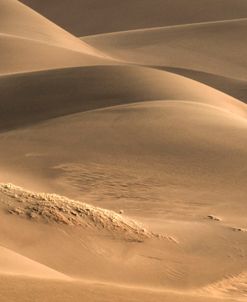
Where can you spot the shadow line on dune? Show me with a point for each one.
(231, 86)
(37, 96)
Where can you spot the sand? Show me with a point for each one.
(123, 151)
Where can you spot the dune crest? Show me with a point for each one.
(17, 19)
(31, 42)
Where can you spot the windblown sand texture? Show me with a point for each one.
(131, 118)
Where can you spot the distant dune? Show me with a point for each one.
(19, 20)
(90, 17)
(193, 46)
(31, 42)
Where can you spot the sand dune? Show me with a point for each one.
(143, 127)
(24, 55)
(32, 97)
(89, 17)
(19, 20)
(30, 42)
(154, 265)
(193, 46)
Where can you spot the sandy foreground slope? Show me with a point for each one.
(153, 163)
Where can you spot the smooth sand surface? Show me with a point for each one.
(136, 135)
(234, 87)
(192, 50)
(13, 264)
(22, 55)
(31, 42)
(189, 46)
(19, 20)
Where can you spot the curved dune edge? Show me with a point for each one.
(23, 55)
(52, 208)
(154, 28)
(233, 87)
(17, 19)
(193, 46)
(34, 97)
(13, 264)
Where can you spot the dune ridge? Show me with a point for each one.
(31, 42)
(19, 20)
(192, 46)
(22, 55)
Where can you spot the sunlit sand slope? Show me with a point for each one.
(171, 141)
(31, 42)
(19, 20)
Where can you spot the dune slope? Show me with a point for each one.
(24, 55)
(16, 265)
(130, 156)
(19, 20)
(135, 138)
(32, 97)
(31, 42)
(140, 124)
(234, 87)
(193, 46)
